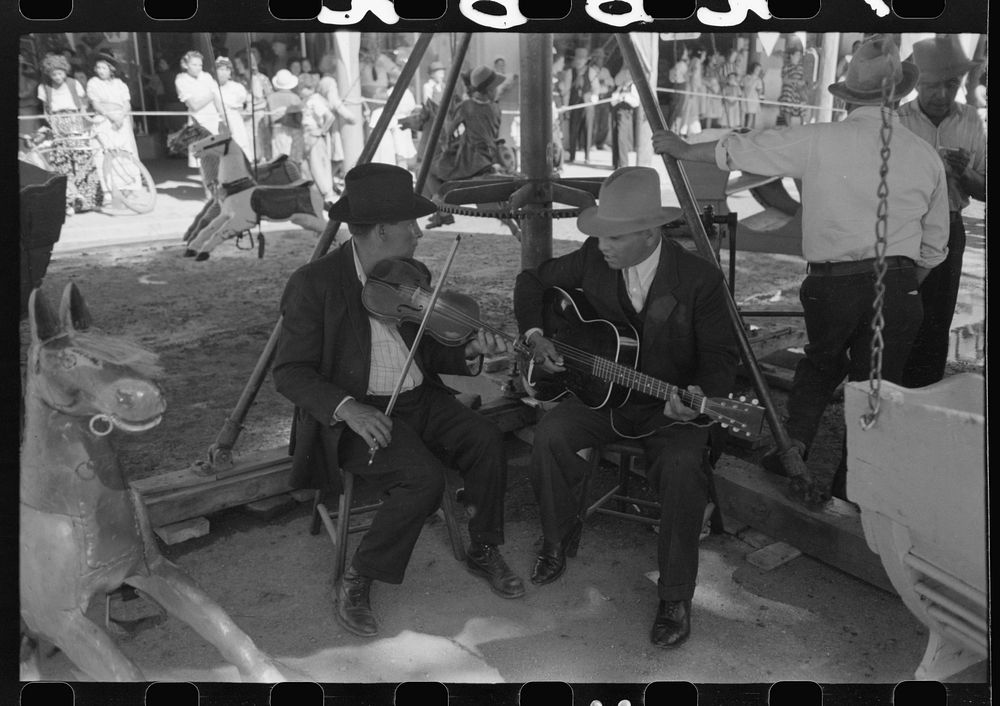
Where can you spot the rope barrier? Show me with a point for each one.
(563, 109)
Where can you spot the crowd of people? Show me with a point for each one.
(76, 109)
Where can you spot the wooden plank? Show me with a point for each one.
(832, 535)
(178, 532)
(172, 505)
(773, 555)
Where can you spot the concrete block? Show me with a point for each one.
(269, 508)
(182, 531)
(773, 555)
(755, 538)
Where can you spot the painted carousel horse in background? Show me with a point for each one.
(278, 172)
(83, 531)
(243, 202)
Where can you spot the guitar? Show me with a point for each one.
(600, 358)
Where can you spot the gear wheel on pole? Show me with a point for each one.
(512, 197)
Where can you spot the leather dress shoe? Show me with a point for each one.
(485, 560)
(550, 563)
(354, 609)
(672, 624)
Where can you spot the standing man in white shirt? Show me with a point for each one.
(839, 165)
(957, 132)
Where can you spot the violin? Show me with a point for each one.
(398, 290)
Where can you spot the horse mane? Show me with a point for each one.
(119, 351)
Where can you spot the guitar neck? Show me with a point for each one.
(619, 374)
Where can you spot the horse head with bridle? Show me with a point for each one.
(83, 531)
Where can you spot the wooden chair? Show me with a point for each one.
(619, 494)
(342, 517)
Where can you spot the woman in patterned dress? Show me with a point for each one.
(65, 103)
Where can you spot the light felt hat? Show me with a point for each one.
(875, 60)
(285, 80)
(629, 201)
(941, 58)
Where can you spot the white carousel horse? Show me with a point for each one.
(83, 531)
(243, 203)
(278, 172)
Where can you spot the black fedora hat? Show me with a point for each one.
(379, 193)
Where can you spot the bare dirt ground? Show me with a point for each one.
(209, 321)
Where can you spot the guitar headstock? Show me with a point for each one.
(742, 416)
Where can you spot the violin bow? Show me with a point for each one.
(416, 341)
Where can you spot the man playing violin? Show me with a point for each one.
(340, 366)
(675, 301)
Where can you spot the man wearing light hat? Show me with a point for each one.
(957, 132)
(339, 364)
(675, 300)
(839, 165)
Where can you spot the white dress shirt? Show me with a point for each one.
(839, 164)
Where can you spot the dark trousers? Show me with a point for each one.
(675, 457)
(602, 120)
(622, 133)
(838, 317)
(431, 431)
(939, 292)
(579, 137)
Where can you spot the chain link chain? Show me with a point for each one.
(881, 225)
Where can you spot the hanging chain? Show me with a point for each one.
(881, 224)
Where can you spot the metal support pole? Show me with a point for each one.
(454, 71)
(801, 483)
(220, 453)
(536, 142)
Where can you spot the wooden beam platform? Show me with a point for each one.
(750, 495)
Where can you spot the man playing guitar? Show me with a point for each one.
(674, 300)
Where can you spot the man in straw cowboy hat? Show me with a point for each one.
(839, 165)
(340, 366)
(957, 132)
(675, 300)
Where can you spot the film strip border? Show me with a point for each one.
(789, 693)
(470, 15)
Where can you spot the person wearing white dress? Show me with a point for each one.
(397, 145)
(234, 99)
(200, 93)
(112, 104)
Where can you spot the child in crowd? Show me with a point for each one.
(317, 119)
(753, 93)
(713, 102)
(286, 116)
(732, 98)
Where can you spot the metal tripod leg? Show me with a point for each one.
(220, 453)
(801, 484)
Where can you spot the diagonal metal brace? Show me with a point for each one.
(802, 487)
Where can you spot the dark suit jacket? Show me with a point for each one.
(687, 337)
(323, 355)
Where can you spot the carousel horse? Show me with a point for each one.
(243, 202)
(278, 172)
(83, 532)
